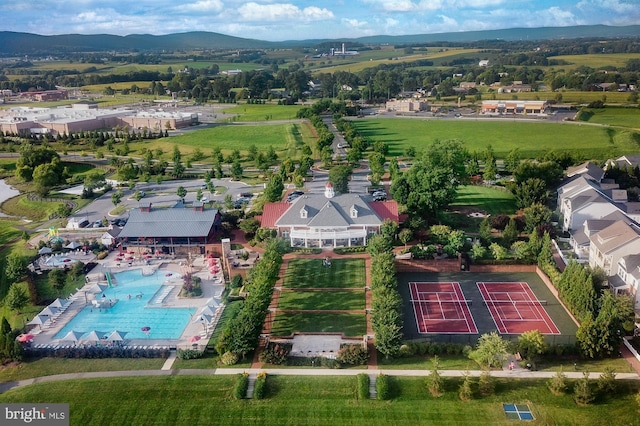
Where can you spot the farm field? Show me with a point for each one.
(188, 400)
(534, 139)
(600, 60)
(623, 117)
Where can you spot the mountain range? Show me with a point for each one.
(16, 43)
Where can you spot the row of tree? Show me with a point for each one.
(240, 336)
(386, 315)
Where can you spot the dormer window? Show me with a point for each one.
(303, 213)
(353, 212)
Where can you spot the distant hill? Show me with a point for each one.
(14, 43)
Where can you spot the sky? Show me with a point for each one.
(279, 20)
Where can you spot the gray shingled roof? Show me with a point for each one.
(330, 212)
(173, 222)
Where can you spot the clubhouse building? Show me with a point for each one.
(178, 230)
(328, 220)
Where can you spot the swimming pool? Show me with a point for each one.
(132, 314)
(56, 261)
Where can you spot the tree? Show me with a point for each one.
(491, 350)
(435, 383)
(16, 267)
(249, 226)
(57, 278)
(486, 384)
(94, 179)
(339, 178)
(607, 381)
(376, 164)
(389, 229)
(465, 392)
(181, 192)
(236, 170)
(531, 191)
(512, 161)
(582, 392)
(45, 177)
(405, 236)
(536, 214)
(558, 383)
(274, 188)
(116, 197)
(485, 230)
(510, 233)
(388, 339)
(17, 298)
(178, 167)
(531, 345)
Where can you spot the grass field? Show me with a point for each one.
(350, 324)
(322, 300)
(490, 200)
(266, 112)
(533, 139)
(189, 400)
(599, 60)
(310, 273)
(623, 117)
(228, 137)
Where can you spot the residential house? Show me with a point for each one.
(611, 244)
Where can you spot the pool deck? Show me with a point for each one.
(212, 286)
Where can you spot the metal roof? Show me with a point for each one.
(172, 222)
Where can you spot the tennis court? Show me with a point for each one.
(515, 308)
(440, 307)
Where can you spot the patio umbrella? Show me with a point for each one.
(49, 311)
(72, 336)
(23, 338)
(98, 288)
(116, 336)
(93, 336)
(58, 303)
(194, 339)
(39, 320)
(208, 310)
(203, 319)
(73, 245)
(45, 250)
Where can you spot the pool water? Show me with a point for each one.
(131, 314)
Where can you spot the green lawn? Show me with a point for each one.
(322, 300)
(38, 367)
(533, 139)
(227, 137)
(350, 324)
(624, 117)
(266, 112)
(310, 273)
(487, 199)
(189, 400)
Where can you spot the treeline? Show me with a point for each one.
(240, 336)
(604, 318)
(386, 315)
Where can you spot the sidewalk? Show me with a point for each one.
(518, 374)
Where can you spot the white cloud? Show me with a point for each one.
(202, 6)
(281, 12)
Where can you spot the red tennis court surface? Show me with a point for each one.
(441, 308)
(515, 308)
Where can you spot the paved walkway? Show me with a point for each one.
(519, 374)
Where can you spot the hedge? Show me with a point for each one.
(260, 387)
(241, 386)
(382, 387)
(363, 386)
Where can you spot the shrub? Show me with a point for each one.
(189, 354)
(466, 392)
(382, 387)
(353, 355)
(260, 387)
(236, 281)
(582, 392)
(486, 384)
(347, 250)
(607, 381)
(229, 358)
(363, 386)
(435, 383)
(241, 386)
(275, 353)
(558, 383)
